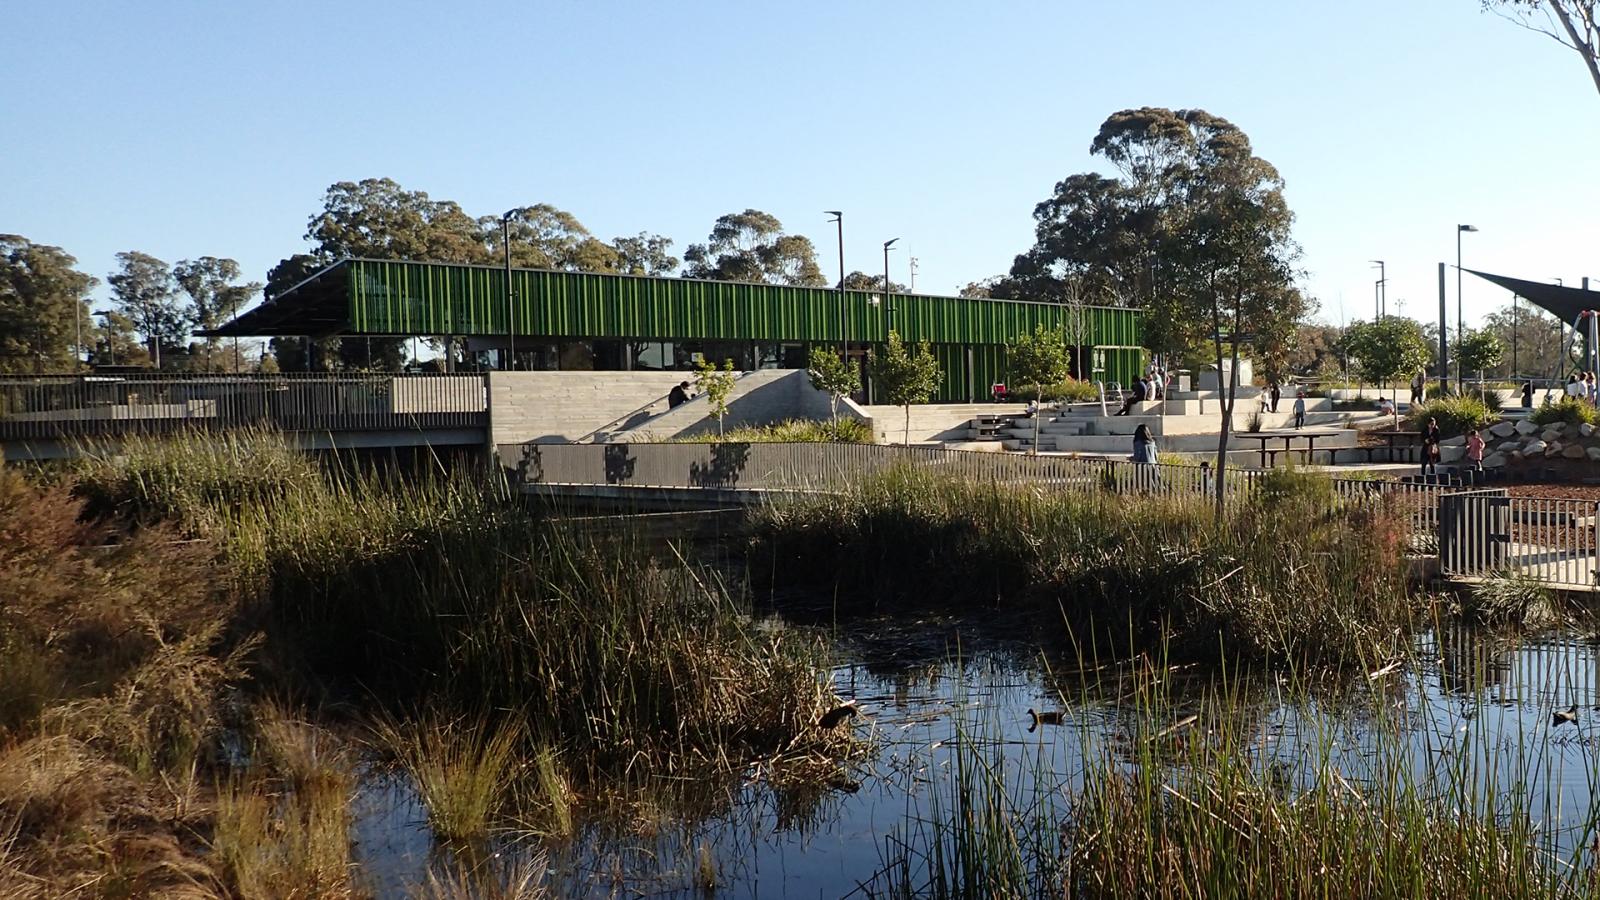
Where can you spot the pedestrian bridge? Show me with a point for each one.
(55, 417)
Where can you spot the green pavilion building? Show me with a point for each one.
(583, 321)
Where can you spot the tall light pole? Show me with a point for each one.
(111, 347)
(511, 308)
(913, 287)
(1380, 292)
(844, 308)
(1461, 331)
(888, 293)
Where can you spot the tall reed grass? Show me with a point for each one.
(1197, 797)
(1292, 574)
(447, 591)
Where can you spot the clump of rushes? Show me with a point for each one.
(272, 841)
(435, 592)
(1193, 797)
(464, 768)
(1292, 575)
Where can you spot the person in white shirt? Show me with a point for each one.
(1574, 387)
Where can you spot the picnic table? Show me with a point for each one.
(1390, 438)
(1310, 437)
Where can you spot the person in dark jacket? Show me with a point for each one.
(678, 396)
(1137, 396)
(1430, 447)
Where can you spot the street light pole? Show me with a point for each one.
(844, 307)
(913, 287)
(1461, 331)
(1380, 293)
(511, 308)
(888, 292)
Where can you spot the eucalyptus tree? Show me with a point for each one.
(752, 246)
(214, 297)
(43, 313)
(147, 294)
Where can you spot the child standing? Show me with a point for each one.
(1475, 450)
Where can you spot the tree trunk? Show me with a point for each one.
(1038, 413)
(1584, 49)
(907, 434)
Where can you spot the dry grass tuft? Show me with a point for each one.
(464, 768)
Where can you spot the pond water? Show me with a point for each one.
(927, 687)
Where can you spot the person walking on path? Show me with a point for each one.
(1527, 395)
(1419, 389)
(1276, 391)
(1299, 410)
(1475, 450)
(1430, 448)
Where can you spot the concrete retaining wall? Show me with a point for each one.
(555, 407)
(759, 398)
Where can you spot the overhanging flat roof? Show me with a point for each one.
(1565, 303)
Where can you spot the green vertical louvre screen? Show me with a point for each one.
(431, 298)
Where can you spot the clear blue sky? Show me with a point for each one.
(187, 129)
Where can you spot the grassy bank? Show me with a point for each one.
(159, 602)
(1290, 576)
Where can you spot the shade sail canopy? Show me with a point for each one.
(1562, 302)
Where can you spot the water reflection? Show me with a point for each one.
(1478, 705)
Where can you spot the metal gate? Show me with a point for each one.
(1474, 532)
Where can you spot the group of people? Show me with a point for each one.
(1581, 386)
(1431, 441)
(1152, 385)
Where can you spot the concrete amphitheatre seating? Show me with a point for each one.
(1186, 422)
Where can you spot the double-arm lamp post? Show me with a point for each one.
(888, 293)
(844, 308)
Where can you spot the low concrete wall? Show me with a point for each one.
(932, 422)
(556, 407)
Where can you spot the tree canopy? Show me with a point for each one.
(752, 246)
(147, 294)
(1391, 347)
(904, 376)
(42, 307)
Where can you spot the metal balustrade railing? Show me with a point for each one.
(1487, 533)
(824, 467)
(68, 406)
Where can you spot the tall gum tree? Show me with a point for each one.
(752, 246)
(146, 293)
(42, 306)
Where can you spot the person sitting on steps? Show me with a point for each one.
(1136, 396)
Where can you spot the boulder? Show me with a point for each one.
(1495, 461)
(1572, 451)
(1557, 427)
(1502, 429)
(1459, 440)
(1449, 454)
(1526, 427)
(1585, 429)
(1553, 450)
(1549, 435)
(1507, 446)
(1593, 453)
(1534, 447)
(1516, 455)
